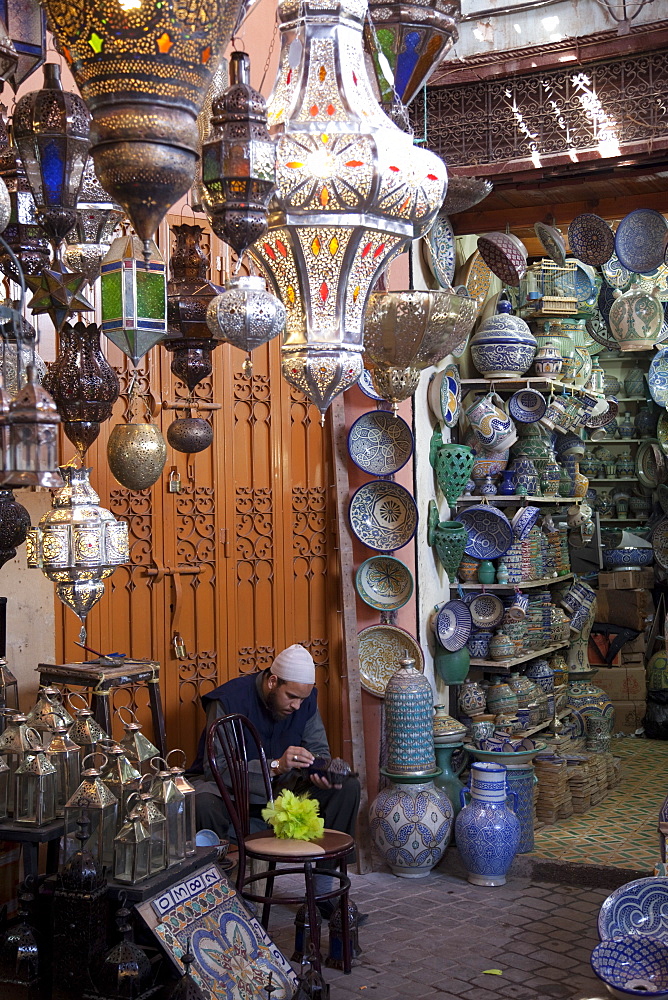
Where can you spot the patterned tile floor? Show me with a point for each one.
(621, 831)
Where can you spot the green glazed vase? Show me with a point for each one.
(450, 540)
(452, 668)
(486, 571)
(449, 780)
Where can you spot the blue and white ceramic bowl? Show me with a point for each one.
(524, 520)
(628, 557)
(632, 967)
(383, 515)
(383, 582)
(639, 908)
(527, 406)
(453, 625)
(490, 531)
(486, 610)
(380, 443)
(365, 382)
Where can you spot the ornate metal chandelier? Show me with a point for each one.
(352, 191)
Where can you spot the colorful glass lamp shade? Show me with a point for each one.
(98, 216)
(78, 544)
(407, 43)
(239, 161)
(52, 133)
(352, 191)
(22, 233)
(134, 297)
(143, 70)
(26, 28)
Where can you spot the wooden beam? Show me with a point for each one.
(350, 665)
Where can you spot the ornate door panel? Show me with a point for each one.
(241, 562)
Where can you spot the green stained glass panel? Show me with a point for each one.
(151, 295)
(112, 299)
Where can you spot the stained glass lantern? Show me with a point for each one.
(97, 219)
(138, 748)
(65, 756)
(85, 731)
(120, 776)
(220, 81)
(155, 821)
(78, 543)
(182, 783)
(51, 128)
(17, 740)
(352, 192)
(134, 297)
(30, 437)
(172, 802)
(189, 293)
(26, 27)
(35, 790)
(238, 161)
(22, 233)
(132, 847)
(82, 383)
(94, 801)
(48, 712)
(407, 42)
(143, 71)
(246, 315)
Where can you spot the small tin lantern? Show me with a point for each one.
(138, 748)
(31, 437)
(172, 802)
(48, 712)
(120, 776)
(132, 845)
(155, 821)
(17, 740)
(65, 755)
(178, 774)
(35, 790)
(85, 731)
(134, 297)
(100, 805)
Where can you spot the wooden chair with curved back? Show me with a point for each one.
(235, 735)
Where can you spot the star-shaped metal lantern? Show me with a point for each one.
(57, 292)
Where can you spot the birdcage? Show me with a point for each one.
(549, 289)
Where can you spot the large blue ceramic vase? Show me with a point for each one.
(487, 831)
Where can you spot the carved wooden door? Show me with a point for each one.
(241, 562)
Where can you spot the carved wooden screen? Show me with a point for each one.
(242, 561)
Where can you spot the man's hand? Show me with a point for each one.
(295, 757)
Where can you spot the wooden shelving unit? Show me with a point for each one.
(503, 666)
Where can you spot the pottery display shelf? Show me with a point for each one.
(502, 666)
(509, 498)
(525, 585)
(543, 725)
(514, 384)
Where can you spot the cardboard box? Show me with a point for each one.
(623, 684)
(628, 716)
(628, 608)
(626, 579)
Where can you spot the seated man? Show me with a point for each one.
(281, 702)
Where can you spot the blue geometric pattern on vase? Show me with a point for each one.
(490, 531)
(411, 827)
(487, 836)
(636, 967)
(409, 716)
(521, 782)
(640, 239)
(637, 908)
(383, 515)
(380, 443)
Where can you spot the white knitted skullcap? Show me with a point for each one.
(295, 664)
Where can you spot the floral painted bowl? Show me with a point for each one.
(384, 582)
(632, 966)
(527, 406)
(486, 610)
(490, 532)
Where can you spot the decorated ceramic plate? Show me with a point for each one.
(640, 240)
(451, 416)
(591, 239)
(597, 328)
(365, 383)
(650, 465)
(441, 251)
(384, 582)
(380, 443)
(477, 277)
(660, 543)
(383, 515)
(662, 432)
(486, 610)
(453, 625)
(615, 274)
(658, 278)
(605, 418)
(381, 647)
(552, 242)
(490, 531)
(585, 284)
(638, 908)
(505, 256)
(527, 406)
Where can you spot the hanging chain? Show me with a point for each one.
(269, 53)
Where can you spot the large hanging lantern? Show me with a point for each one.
(97, 218)
(26, 28)
(14, 524)
(353, 190)
(408, 41)
(78, 544)
(238, 161)
(22, 233)
(9, 59)
(143, 70)
(17, 348)
(51, 129)
(246, 315)
(189, 293)
(29, 435)
(134, 297)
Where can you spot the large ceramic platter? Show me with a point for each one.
(490, 531)
(384, 582)
(660, 543)
(662, 495)
(650, 465)
(453, 625)
(380, 443)
(640, 240)
(476, 276)
(598, 330)
(591, 239)
(383, 515)
(381, 647)
(441, 251)
(486, 610)
(552, 242)
(638, 908)
(662, 432)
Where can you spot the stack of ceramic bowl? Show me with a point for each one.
(513, 561)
